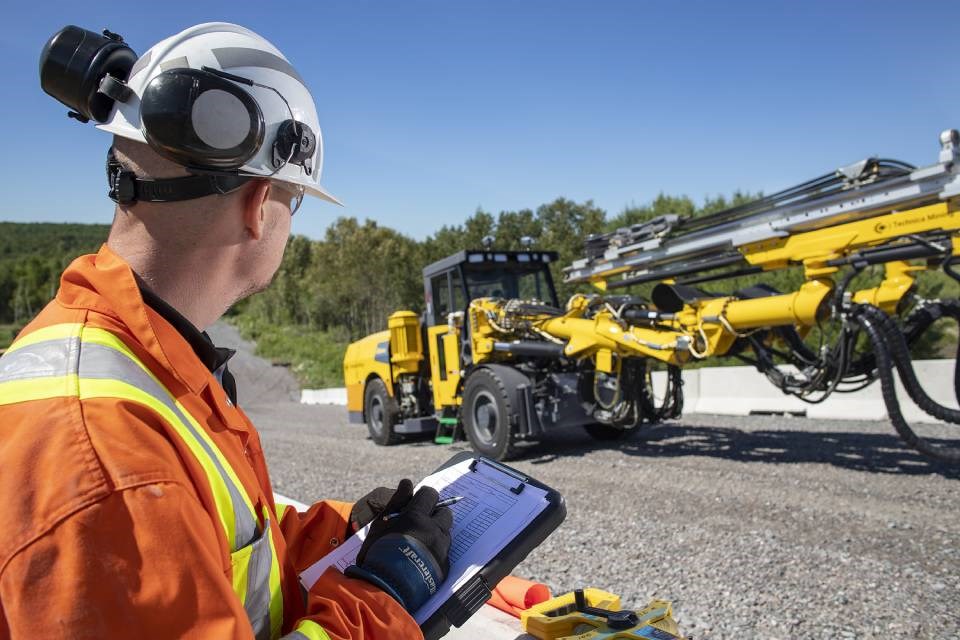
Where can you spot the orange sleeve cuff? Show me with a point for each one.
(315, 533)
(348, 608)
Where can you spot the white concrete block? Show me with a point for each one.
(296, 504)
(740, 391)
(336, 395)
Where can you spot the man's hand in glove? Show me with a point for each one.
(407, 555)
(367, 508)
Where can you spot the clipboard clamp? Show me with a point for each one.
(521, 480)
(467, 601)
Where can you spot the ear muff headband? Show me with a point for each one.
(200, 120)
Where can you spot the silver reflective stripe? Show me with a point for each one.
(256, 602)
(92, 361)
(296, 635)
(41, 360)
(100, 362)
(52, 358)
(176, 63)
(141, 62)
(233, 57)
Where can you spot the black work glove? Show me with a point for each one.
(367, 508)
(407, 555)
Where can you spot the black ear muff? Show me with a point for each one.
(201, 120)
(75, 62)
(295, 144)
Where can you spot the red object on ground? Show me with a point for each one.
(515, 595)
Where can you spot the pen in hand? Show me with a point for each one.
(443, 503)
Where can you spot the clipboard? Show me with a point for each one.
(468, 599)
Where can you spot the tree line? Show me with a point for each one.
(346, 283)
(359, 273)
(32, 257)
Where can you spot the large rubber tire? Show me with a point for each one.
(381, 411)
(487, 415)
(606, 432)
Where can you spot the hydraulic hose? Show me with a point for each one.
(672, 405)
(871, 326)
(924, 316)
(899, 351)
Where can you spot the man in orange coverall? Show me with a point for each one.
(138, 502)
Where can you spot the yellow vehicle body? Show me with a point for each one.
(496, 353)
(385, 355)
(445, 366)
(364, 359)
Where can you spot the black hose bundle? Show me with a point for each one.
(634, 403)
(672, 405)
(868, 320)
(890, 349)
(925, 315)
(898, 349)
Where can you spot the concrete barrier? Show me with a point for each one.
(296, 504)
(336, 395)
(742, 391)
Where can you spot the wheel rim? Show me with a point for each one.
(376, 414)
(485, 417)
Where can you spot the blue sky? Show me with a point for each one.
(432, 109)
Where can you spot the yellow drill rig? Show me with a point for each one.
(497, 355)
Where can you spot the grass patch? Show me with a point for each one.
(315, 357)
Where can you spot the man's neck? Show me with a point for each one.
(189, 284)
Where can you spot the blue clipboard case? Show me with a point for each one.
(469, 598)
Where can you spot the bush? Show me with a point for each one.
(7, 333)
(314, 356)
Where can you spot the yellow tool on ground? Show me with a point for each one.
(594, 614)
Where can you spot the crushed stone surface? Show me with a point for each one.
(753, 527)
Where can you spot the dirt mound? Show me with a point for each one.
(258, 381)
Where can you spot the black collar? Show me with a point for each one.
(213, 357)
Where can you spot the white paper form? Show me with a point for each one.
(484, 522)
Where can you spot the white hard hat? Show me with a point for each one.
(249, 60)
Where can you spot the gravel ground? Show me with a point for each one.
(760, 527)
(754, 527)
(257, 379)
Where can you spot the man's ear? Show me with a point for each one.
(253, 205)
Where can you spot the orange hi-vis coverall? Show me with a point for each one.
(136, 496)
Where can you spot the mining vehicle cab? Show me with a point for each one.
(450, 284)
(409, 379)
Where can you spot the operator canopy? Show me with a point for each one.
(216, 98)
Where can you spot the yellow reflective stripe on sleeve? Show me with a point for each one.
(16, 391)
(276, 591)
(71, 360)
(307, 630)
(240, 565)
(53, 332)
(281, 510)
(95, 388)
(255, 574)
(107, 339)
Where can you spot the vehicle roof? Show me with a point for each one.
(489, 256)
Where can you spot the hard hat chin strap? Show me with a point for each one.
(127, 188)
